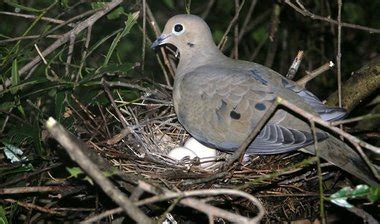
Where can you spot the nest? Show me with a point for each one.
(286, 184)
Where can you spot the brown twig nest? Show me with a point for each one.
(286, 184)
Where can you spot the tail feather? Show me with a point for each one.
(341, 155)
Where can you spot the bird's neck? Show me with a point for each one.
(197, 56)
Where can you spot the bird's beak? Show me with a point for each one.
(160, 41)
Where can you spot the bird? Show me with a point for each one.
(220, 100)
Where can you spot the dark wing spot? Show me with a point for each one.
(260, 106)
(284, 82)
(235, 115)
(257, 76)
(190, 44)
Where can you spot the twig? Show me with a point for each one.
(119, 114)
(33, 206)
(311, 15)
(233, 21)
(153, 24)
(295, 65)
(27, 16)
(320, 180)
(355, 141)
(311, 75)
(235, 50)
(203, 207)
(76, 151)
(183, 198)
(144, 36)
(355, 119)
(339, 53)
(205, 13)
(2, 42)
(326, 124)
(247, 19)
(65, 37)
(70, 53)
(33, 189)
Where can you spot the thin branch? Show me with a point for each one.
(65, 37)
(311, 75)
(27, 16)
(233, 21)
(311, 15)
(339, 53)
(295, 65)
(76, 150)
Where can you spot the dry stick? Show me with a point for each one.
(194, 203)
(70, 53)
(34, 189)
(352, 139)
(47, 65)
(247, 19)
(203, 207)
(35, 207)
(355, 119)
(239, 153)
(65, 37)
(233, 21)
(208, 8)
(311, 75)
(75, 149)
(2, 42)
(235, 51)
(102, 215)
(144, 36)
(339, 53)
(320, 180)
(27, 16)
(311, 15)
(156, 29)
(119, 114)
(295, 65)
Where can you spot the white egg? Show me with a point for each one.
(181, 152)
(203, 152)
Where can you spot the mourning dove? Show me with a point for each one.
(219, 101)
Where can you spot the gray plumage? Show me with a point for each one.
(220, 100)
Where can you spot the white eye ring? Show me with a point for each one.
(178, 29)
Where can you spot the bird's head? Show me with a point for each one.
(185, 32)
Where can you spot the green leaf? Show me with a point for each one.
(115, 14)
(13, 153)
(15, 79)
(74, 171)
(361, 191)
(131, 21)
(3, 218)
(340, 197)
(374, 194)
(98, 5)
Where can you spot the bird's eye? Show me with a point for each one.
(178, 29)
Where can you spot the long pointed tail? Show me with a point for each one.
(341, 155)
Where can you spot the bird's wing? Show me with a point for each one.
(325, 112)
(221, 106)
